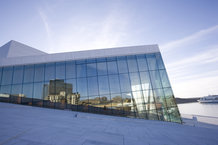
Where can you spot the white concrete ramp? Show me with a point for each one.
(25, 125)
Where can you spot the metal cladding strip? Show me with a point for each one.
(78, 55)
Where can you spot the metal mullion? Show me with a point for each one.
(141, 85)
(135, 108)
(152, 86)
(119, 84)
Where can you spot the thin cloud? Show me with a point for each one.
(195, 74)
(188, 39)
(111, 32)
(82, 33)
(208, 56)
(44, 19)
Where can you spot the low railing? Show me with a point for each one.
(199, 120)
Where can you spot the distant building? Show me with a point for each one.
(126, 81)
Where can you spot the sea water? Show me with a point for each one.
(204, 109)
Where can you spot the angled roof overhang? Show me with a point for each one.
(35, 57)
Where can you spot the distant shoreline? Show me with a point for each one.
(186, 100)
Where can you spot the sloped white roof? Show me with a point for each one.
(34, 56)
(17, 49)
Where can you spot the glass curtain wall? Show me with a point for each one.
(133, 86)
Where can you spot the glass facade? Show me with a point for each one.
(132, 86)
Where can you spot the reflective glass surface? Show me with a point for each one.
(132, 86)
(142, 63)
(39, 73)
(60, 70)
(7, 75)
(18, 75)
(112, 67)
(92, 86)
(49, 71)
(28, 73)
(102, 68)
(0, 75)
(114, 84)
(81, 70)
(125, 83)
(16, 89)
(122, 64)
(91, 69)
(132, 63)
(70, 69)
(103, 85)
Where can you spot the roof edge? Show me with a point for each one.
(79, 55)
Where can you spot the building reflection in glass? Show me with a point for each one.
(61, 92)
(133, 86)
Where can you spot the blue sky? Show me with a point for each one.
(186, 32)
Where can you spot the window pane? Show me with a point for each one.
(174, 114)
(138, 97)
(132, 64)
(0, 75)
(60, 70)
(38, 90)
(82, 86)
(7, 75)
(152, 115)
(103, 84)
(165, 114)
(56, 91)
(81, 70)
(59, 86)
(114, 84)
(152, 63)
(46, 90)
(28, 90)
(149, 99)
(92, 86)
(16, 90)
(145, 80)
(169, 97)
(102, 68)
(28, 73)
(73, 83)
(38, 94)
(116, 100)
(18, 75)
(112, 67)
(39, 73)
(70, 69)
(159, 98)
(164, 78)
(105, 102)
(135, 81)
(91, 69)
(159, 61)
(142, 63)
(49, 71)
(125, 83)
(5, 89)
(129, 106)
(122, 65)
(155, 79)
(94, 101)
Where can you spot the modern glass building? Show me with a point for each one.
(126, 81)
